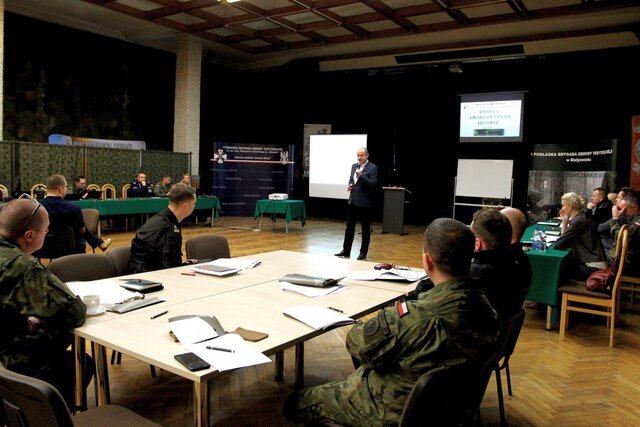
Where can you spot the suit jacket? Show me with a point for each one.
(363, 191)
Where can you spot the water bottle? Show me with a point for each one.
(537, 241)
(543, 241)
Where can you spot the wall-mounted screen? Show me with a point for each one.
(491, 117)
(330, 160)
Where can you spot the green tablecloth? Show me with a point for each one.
(546, 268)
(143, 205)
(291, 209)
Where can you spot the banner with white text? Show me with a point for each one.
(245, 173)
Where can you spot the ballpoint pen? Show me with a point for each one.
(155, 316)
(335, 309)
(228, 350)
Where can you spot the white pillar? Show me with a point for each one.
(186, 122)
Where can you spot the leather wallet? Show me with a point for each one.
(248, 335)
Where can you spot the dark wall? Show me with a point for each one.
(411, 114)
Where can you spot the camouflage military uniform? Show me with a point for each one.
(37, 312)
(449, 325)
(632, 263)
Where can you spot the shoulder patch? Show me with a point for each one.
(402, 308)
(371, 327)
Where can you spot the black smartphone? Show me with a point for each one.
(192, 361)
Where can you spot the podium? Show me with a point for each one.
(393, 210)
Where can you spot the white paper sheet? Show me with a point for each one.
(110, 291)
(239, 263)
(243, 353)
(311, 291)
(192, 330)
(393, 274)
(318, 317)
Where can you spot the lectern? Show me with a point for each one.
(393, 210)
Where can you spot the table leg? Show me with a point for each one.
(201, 403)
(78, 349)
(260, 223)
(548, 323)
(279, 366)
(299, 366)
(102, 374)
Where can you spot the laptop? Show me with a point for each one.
(91, 194)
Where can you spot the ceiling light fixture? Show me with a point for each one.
(455, 68)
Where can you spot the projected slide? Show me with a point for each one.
(491, 117)
(330, 160)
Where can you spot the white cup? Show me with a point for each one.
(92, 302)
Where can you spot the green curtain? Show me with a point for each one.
(112, 166)
(157, 163)
(36, 161)
(5, 165)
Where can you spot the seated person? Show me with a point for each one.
(452, 324)
(158, 243)
(494, 266)
(140, 187)
(64, 213)
(162, 188)
(523, 265)
(186, 179)
(599, 207)
(80, 186)
(626, 212)
(37, 310)
(535, 213)
(580, 235)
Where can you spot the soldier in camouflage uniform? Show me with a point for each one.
(449, 325)
(38, 309)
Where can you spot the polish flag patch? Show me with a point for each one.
(402, 309)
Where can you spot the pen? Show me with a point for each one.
(335, 309)
(188, 274)
(228, 350)
(155, 316)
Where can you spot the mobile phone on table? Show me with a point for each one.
(192, 361)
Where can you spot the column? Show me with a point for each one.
(186, 127)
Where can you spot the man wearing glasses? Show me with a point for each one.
(64, 213)
(36, 309)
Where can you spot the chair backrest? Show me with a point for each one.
(440, 398)
(109, 191)
(91, 219)
(38, 191)
(512, 328)
(29, 402)
(125, 190)
(58, 242)
(622, 244)
(204, 246)
(93, 187)
(82, 267)
(120, 258)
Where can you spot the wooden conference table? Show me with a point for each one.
(546, 268)
(145, 205)
(236, 301)
(291, 209)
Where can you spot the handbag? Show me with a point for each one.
(601, 280)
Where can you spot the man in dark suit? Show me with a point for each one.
(362, 184)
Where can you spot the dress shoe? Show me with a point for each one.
(361, 256)
(343, 253)
(105, 245)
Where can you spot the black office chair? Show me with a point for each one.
(57, 243)
(30, 402)
(512, 329)
(443, 398)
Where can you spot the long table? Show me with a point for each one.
(546, 267)
(145, 205)
(236, 301)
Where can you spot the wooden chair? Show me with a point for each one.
(630, 284)
(125, 190)
(93, 187)
(92, 221)
(4, 191)
(108, 191)
(30, 402)
(207, 246)
(605, 304)
(38, 189)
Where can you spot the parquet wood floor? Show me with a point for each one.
(578, 382)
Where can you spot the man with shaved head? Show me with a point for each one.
(518, 222)
(37, 309)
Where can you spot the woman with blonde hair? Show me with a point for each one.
(580, 235)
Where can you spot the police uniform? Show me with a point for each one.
(36, 314)
(158, 244)
(139, 190)
(451, 324)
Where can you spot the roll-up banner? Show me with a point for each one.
(245, 173)
(635, 153)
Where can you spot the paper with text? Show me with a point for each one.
(243, 353)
